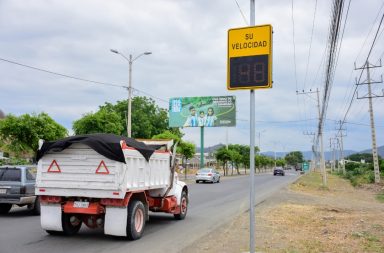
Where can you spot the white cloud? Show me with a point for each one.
(188, 40)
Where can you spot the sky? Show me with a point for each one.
(188, 41)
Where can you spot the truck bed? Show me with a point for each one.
(82, 172)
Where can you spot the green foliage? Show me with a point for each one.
(359, 173)
(280, 162)
(20, 135)
(15, 161)
(167, 135)
(102, 121)
(147, 119)
(223, 154)
(186, 149)
(294, 158)
(364, 156)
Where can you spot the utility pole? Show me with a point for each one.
(341, 135)
(368, 66)
(313, 160)
(320, 134)
(332, 152)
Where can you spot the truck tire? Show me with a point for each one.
(183, 207)
(136, 220)
(69, 228)
(4, 208)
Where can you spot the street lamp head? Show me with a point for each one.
(147, 53)
(114, 51)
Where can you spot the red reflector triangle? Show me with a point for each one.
(54, 167)
(102, 169)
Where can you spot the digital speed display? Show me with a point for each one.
(249, 58)
(249, 71)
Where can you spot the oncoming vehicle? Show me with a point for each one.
(207, 175)
(278, 171)
(17, 187)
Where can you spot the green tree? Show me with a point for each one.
(280, 162)
(224, 155)
(20, 135)
(362, 156)
(168, 135)
(294, 158)
(102, 121)
(187, 150)
(148, 119)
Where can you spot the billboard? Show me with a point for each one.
(202, 111)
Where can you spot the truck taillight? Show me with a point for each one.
(209, 174)
(50, 199)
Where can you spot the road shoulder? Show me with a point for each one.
(306, 217)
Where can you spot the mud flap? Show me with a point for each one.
(50, 217)
(116, 221)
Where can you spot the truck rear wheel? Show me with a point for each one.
(71, 225)
(183, 207)
(136, 219)
(4, 208)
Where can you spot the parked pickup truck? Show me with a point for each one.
(109, 181)
(17, 187)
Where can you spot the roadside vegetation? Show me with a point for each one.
(360, 173)
(307, 218)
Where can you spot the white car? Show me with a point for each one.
(207, 175)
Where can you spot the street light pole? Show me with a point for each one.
(129, 128)
(130, 61)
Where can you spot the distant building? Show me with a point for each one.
(2, 114)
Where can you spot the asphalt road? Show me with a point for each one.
(211, 205)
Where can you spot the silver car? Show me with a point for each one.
(17, 187)
(207, 175)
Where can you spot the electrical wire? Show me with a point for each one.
(361, 73)
(242, 14)
(79, 78)
(310, 44)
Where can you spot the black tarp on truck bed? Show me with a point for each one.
(107, 145)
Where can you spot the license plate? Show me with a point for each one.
(3, 191)
(81, 204)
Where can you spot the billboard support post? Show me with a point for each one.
(201, 147)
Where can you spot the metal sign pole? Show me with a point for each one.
(201, 147)
(252, 154)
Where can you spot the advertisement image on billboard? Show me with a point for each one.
(202, 111)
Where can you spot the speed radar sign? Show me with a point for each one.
(249, 64)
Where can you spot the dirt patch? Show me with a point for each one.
(306, 218)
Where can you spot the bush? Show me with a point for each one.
(15, 161)
(359, 174)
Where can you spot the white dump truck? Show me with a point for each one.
(107, 181)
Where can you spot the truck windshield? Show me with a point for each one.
(10, 174)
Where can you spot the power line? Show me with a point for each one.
(242, 14)
(63, 75)
(310, 45)
(350, 91)
(361, 73)
(79, 78)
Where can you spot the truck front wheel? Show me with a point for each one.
(183, 207)
(136, 219)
